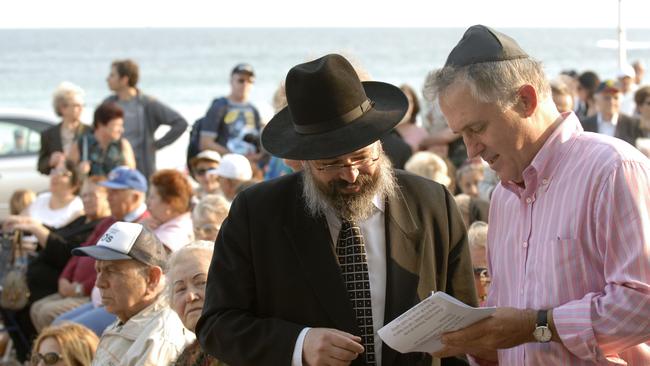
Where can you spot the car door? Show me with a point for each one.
(20, 142)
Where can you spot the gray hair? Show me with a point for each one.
(429, 165)
(491, 82)
(211, 204)
(65, 92)
(477, 234)
(197, 248)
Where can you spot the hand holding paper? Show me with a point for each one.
(419, 329)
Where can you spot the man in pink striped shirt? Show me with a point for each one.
(569, 236)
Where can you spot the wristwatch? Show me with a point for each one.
(542, 332)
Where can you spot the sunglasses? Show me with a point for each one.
(205, 171)
(49, 358)
(61, 171)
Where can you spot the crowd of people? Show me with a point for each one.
(292, 242)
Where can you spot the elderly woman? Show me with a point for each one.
(56, 141)
(169, 205)
(187, 276)
(65, 345)
(429, 165)
(208, 215)
(98, 153)
(60, 205)
(53, 252)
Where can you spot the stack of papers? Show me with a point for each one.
(420, 328)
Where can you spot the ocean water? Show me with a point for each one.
(187, 68)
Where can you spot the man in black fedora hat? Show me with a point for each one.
(309, 266)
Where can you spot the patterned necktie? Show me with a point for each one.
(351, 253)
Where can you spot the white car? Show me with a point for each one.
(18, 164)
(20, 142)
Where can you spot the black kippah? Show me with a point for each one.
(483, 44)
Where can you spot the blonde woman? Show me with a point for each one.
(56, 141)
(67, 344)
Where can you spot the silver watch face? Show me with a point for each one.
(542, 334)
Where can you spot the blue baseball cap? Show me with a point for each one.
(124, 177)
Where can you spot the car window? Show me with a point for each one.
(16, 139)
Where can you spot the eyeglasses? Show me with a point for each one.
(49, 358)
(207, 229)
(482, 274)
(358, 164)
(61, 171)
(242, 81)
(204, 171)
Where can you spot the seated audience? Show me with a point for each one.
(126, 194)
(429, 165)
(188, 274)
(233, 170)
(56, 141)
(65, 345)
(477, 238)
(468, 177)
(203, 169)
(60, 205)
(208, 215)
(52, 254)
(98, 153)
(169, 204)
(131, 262)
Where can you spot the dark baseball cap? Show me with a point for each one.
(484, 44)
(243, 68)
(124, 177)
(127, 240)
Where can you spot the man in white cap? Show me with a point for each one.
(203, 169)
(233, 171)
(626, 82)
(130, 264)
(312, 264)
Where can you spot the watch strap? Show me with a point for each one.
(542, 318)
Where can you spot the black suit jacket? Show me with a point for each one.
(627, 128)
(51, 142)
(274, 270)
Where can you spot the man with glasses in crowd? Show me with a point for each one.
(312, 264)
(232, 123)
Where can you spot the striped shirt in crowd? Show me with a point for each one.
(576, 240)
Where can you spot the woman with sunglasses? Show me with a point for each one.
(67, 344)
(203, 167)
(61, 205)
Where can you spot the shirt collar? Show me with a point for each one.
(133, 215)
(613, 122)
(540, 171)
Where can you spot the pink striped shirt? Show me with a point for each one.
(576, 240)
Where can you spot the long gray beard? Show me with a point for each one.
(321, 198)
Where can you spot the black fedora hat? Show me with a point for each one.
(330, 112)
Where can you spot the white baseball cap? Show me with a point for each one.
(235, 166)
(126, 240)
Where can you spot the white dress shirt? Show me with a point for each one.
(374, 233)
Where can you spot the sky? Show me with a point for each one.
(323, 13)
